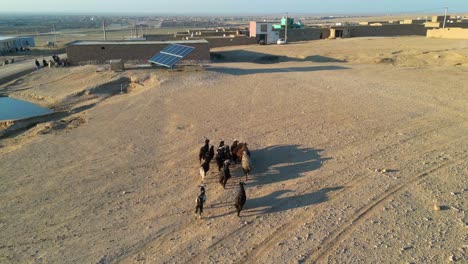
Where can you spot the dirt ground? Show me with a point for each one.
(355, 143)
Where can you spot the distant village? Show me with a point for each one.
(221, 32)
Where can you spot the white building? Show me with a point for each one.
(264, 31)
(8, 44)
(12, 44)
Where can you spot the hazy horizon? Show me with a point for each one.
(239, 7)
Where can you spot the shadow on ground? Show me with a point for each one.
(239, 71)
(283, 162)
(276, 164)
(265, 58)
(280, 201)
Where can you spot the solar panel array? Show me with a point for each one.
(171, 54)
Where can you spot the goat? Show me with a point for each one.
(219, 159)
(204, 150)
(204, 168)
(211, 153)
(201, 199)
(225, 174)
(246, 164)
(222, 155)
(241, 198)
(233, 147)
(239, 150)
(227, 153)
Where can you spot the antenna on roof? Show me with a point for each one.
(445, 16)
(55, 35)
(104, 29)
(286, 29)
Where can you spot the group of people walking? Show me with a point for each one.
(55, 62)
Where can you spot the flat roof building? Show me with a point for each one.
(100, 52)
(11, 44)
(264, 31)
(7, 44)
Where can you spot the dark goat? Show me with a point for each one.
(225, 174)
(233, 147)
(204, 150)
(201, 199)
(210, 154)
(221, 144)
(241, 198)
(222, 155)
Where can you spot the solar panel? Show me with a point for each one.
(171, 54)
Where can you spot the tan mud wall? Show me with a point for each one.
(159, 37)
(457, 25)
(228, 41)
(448, 33)
(304, 34)
(385, 30)
(388, 31)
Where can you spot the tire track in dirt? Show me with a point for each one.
(362, 214)
(125, 253)
(284, 229)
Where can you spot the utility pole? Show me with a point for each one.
(104, 29)
(55, 35)
(286, 29)
(445, 16)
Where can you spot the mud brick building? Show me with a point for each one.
(101, 52)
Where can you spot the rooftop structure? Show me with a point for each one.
(5, 38)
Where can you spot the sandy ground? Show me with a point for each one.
(322, 120)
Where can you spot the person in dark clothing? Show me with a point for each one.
(38, 65)
(44, 63)
(201, 199)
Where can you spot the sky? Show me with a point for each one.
(235, 6)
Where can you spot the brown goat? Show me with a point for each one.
(239, 150)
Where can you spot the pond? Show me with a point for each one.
(14, 109)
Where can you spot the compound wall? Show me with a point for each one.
(159, 37)
(138, 52)
(230, 41)
(448, 33)
(304, 34)
(386, 30)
